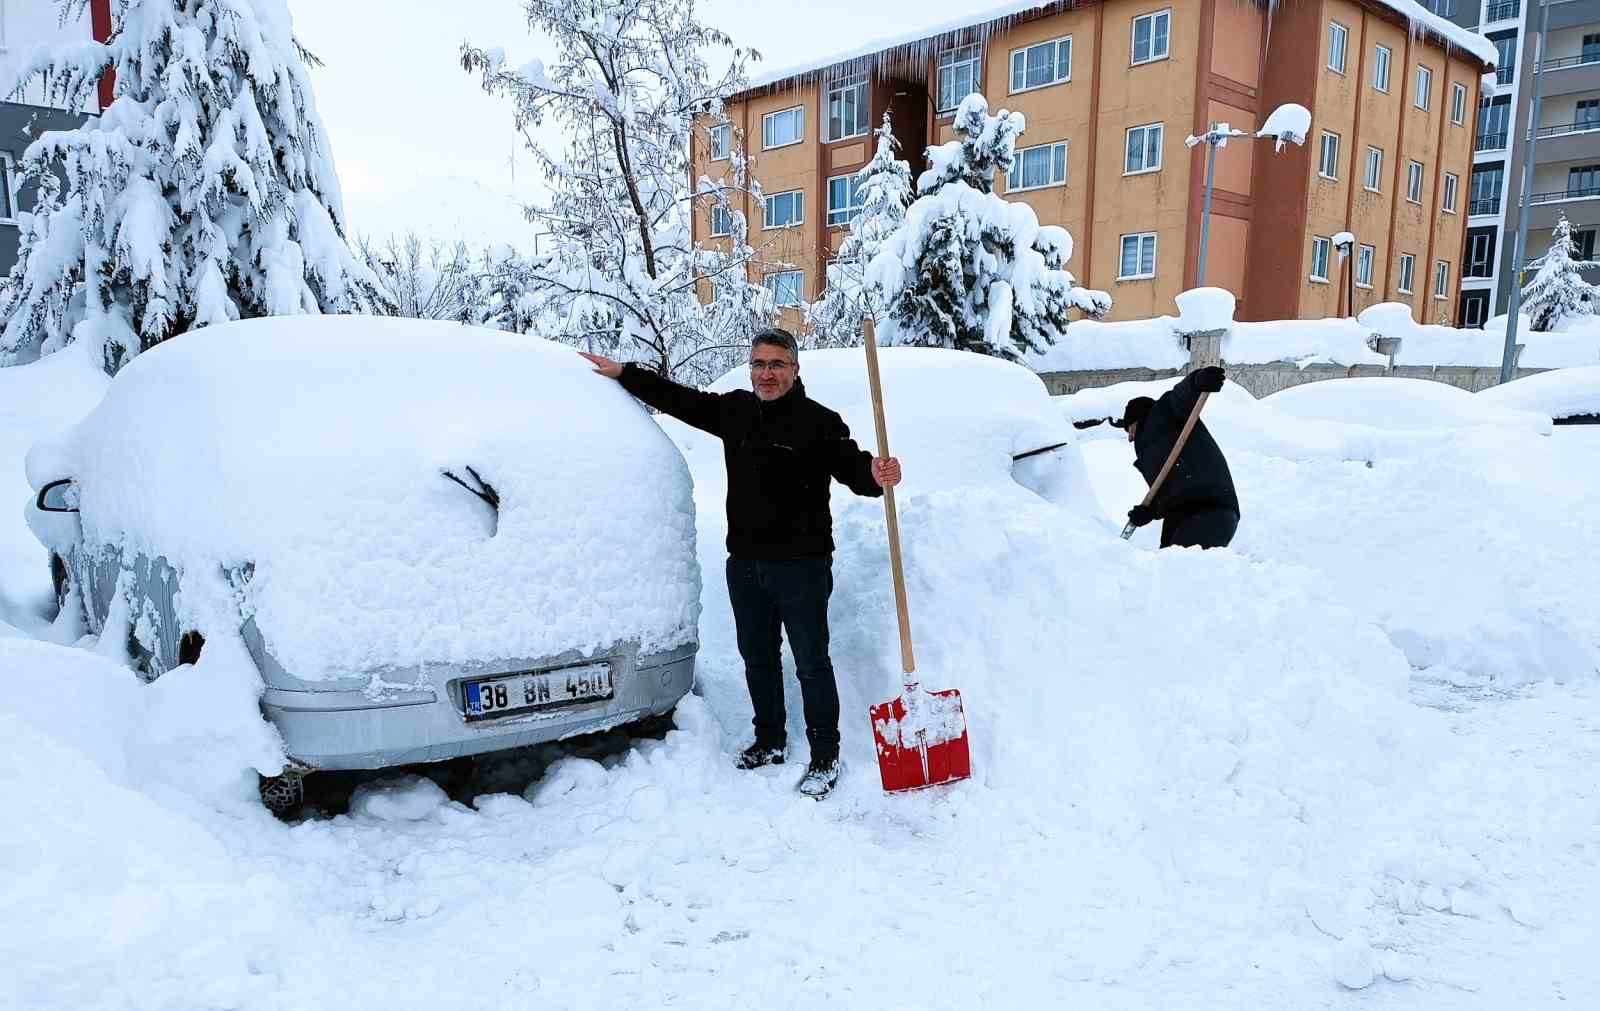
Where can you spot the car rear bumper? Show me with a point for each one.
(358, 730)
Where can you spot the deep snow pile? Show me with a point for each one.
(1336, 475)
(1560, 393)
(315, 449)
(1198, 779)
(35, 401)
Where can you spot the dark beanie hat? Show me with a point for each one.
(1135, 412)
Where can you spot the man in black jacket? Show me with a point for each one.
(782, 451)
(1197, 503)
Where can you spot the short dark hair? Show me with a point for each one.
(778, 337)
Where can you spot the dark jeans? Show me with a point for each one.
(1205, 528)
(791, 593)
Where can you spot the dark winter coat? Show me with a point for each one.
(1200, 478)
(781, 458)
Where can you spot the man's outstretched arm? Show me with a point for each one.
(856, 469)
(692, 407)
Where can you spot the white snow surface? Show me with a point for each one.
(36, 400)
(1333, 756)
(314, 449)
(1560, 393)
(1393, 403)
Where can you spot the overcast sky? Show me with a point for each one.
(419, 145)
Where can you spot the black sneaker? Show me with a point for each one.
(758, 755)
(820, 777)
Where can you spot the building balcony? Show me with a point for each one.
(1505, 75)
(1568, 142)
(1491, 141)
(1562, 196)
(1568, 75)
(1486, 205)
(1545, 208)
(1508, 10)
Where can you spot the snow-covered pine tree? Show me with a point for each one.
(205, 192)
(1558, 291)
(626, 86)
(884, 188)
(967, 269)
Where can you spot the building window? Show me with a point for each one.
(1474, 308)
(1328, 166)
(1443, 8)
(788, 287)
(1138, 257)
(8, 189)
(1588, 114)
(1408, 270)
(721, 141)
(1451, 182)
(1338, 46)
(1042, 65)
(847, 109)
(959, 75)
(785, 210)
(1144, 149)
(1151, 35)
(1364, 257)
(1458, 104)
(1380, 68)
(1374, 180)
(1485, 196)
(1480, 254)
(780, 129)
(1505, 62)
(1424, 86)
(1583, 181)
(1591, 48)
(1441, 278)
(1583, 243)
(1494, 120)
(844, 199)
(721, 220)
(1414, 181)
(1319, 258)
(1045, 165)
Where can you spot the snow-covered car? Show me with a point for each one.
(431, 541)
(1570, 396)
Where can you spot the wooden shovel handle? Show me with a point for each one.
(908, 662)
(1172, 458)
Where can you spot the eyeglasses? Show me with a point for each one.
(758, 365)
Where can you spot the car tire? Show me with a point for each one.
(283, 794)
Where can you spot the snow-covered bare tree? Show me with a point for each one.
(428, 279)
(968, 269)
(1558, 291)
(883, 189)
(627, 84)
(505, 289)
(205, 192)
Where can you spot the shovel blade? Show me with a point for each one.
(909, 761)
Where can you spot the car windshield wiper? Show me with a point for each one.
(483, 490)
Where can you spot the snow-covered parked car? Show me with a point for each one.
(1570, 396)
(430, 540)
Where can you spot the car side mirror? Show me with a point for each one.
(53, 497)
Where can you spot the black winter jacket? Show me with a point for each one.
(781, 457)
(1200, 477)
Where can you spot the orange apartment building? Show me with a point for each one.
(1110, 89)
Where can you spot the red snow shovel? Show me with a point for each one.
(921, 735)
(1172, 458)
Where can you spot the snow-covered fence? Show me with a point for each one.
(1269, 356)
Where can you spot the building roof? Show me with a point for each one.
(1422, 22)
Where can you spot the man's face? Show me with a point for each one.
(772, 371)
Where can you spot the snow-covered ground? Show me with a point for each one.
(1349, 762)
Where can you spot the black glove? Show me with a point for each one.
(1209, 379)
(1139, 515)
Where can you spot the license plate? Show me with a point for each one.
(522, 693)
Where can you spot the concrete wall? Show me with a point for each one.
(1266, 378)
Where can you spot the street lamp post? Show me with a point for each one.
(1345, 243)
(1519, 249)
(1287, 123)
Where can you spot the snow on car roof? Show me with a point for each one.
(314, 449)
(1395, 403)
(1560, 393)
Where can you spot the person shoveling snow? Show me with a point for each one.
(1196, 502)
(782, 451)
